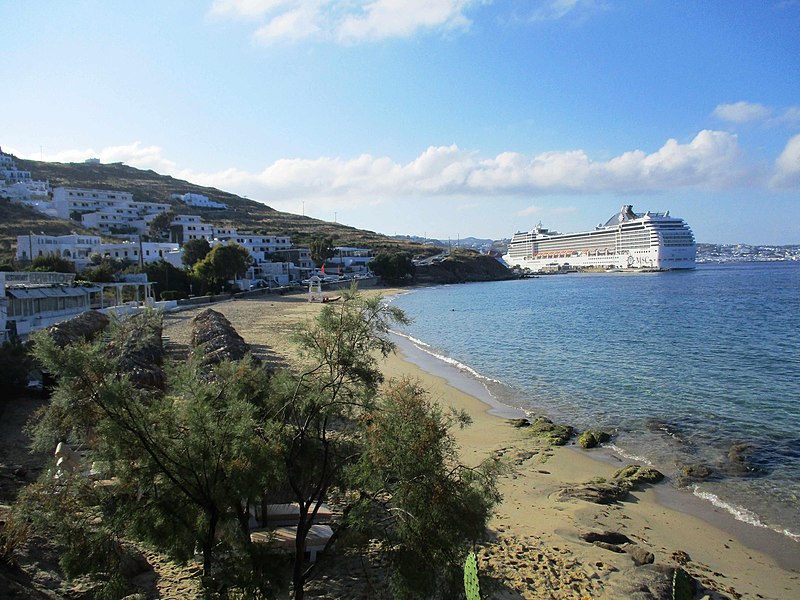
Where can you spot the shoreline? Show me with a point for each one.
(698, 499)
(671, 503)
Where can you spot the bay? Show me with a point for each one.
(690, 367)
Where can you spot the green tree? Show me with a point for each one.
(165, 277)
(222, 264)
(159, 228)
(321, 250)
(194, 251)
(432, 508)
(189, 457)
(182, 461)
(15, 362)
(393, 268)
(52, 262)
(318, 410)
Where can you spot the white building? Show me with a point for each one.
(76, 248)
(347, 259)
(198, 200)
(31, 300)
(18, 185)
(190, 227)
(79, 249)
(109, 211)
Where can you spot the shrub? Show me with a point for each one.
(173, 295)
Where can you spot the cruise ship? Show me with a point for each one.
(627, 241)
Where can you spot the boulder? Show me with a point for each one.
(635, 475)
(592, 438)
(554, 434)
(688, 474)
(595, 492)
(640, 555)
(523, 422)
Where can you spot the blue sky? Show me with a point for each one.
(443, 118)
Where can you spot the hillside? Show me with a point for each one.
(149, 186)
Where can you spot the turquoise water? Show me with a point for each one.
(681, 365)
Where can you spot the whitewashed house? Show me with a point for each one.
(198, 201)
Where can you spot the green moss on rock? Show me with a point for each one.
(555, 434)
(592, 438)
(635, 475)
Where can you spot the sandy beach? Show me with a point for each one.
(535, 548)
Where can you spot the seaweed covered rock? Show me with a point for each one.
(634, 475)
(695, 472)
(617, 488)
(592, 438)
(522, 422)
(740, 460)
(554, 434)
(597, 492)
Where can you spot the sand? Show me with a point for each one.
(534, 548)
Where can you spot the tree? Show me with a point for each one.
(15, 362)
(194, 251)
(52, 262)
(321, 250)
(159, 227)
(222, 264)
(393, 268)
(432, 508)
(166, 277)
(182, 461)
(189, 456)
(318, 409)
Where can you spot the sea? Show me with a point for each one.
(697, 367)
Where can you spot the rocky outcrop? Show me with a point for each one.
(592, 438)
(463, 266)
(555, 434)
(607, 492)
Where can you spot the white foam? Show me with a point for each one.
(428, 349)
(740, 513)
(629, 455)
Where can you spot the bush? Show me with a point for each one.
(15, 362)
(173, 295)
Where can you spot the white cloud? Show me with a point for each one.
(348, 22)
(711, 160)
(787, 166)
(537, 210)
(552, 10)
(742, 112)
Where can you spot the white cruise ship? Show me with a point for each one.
(627, 240)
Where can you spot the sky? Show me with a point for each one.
(442, 118)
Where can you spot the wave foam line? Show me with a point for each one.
(428, 349)
(629, 455)
(740, 513)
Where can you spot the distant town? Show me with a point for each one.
(706, 253)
